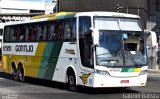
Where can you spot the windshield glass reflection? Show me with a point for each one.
(120, 49)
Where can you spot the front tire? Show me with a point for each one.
(72, 82)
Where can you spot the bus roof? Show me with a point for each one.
(94, 13)
(55, 15)
(61, 15)
(103, 13)
(64, 15)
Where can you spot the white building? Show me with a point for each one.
(18, 10)
(23, 10)
(21, 6)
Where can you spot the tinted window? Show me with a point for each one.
(70, 29)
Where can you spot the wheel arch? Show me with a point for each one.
(13, 65)
(71, 69)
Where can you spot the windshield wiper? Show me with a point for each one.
(103, 54)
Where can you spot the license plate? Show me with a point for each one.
(124, 81)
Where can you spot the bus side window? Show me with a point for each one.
(67, 31)
(38, 27)
(51, 33)
(42, 32)
(22, 33)
(32, 33)
(84, 24)
(18, 31)
(70, 29)
(73, 36)
(7, 36)
(26, 33)
(58, 31)
(13, 34)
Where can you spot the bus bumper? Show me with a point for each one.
(108, 81)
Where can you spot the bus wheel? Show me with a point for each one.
(72, 81)
(14, 74)
(21, 74)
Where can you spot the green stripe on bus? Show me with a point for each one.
(45, 59)
(60, 17)
(131, 70)
(53, 60)
(127, 70)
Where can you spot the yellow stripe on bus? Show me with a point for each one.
(52, 15)
(33, 62)
(137, 69)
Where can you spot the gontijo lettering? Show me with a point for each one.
(24, 48)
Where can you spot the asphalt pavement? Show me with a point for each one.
(41, 89)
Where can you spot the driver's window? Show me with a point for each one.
(85, 42)
(84, 24)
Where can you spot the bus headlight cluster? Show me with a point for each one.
(101, 72)
(143, 72)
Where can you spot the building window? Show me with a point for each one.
(37, 11)
(158, 5)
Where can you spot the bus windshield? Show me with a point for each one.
(119, 45)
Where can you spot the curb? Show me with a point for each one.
(153, 71)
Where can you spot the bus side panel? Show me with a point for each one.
(30, 63)
(68, 58)
(53, 60)
(5, 64)
(9, 59)
(33, 62)
(49, 60)
(45, 59)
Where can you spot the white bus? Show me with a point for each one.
(93, 49)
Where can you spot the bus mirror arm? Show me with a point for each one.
(94, 46)
(95, 34)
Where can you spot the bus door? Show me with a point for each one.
(85, 42)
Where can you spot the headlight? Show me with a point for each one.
(143, 72)
(101, 72)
